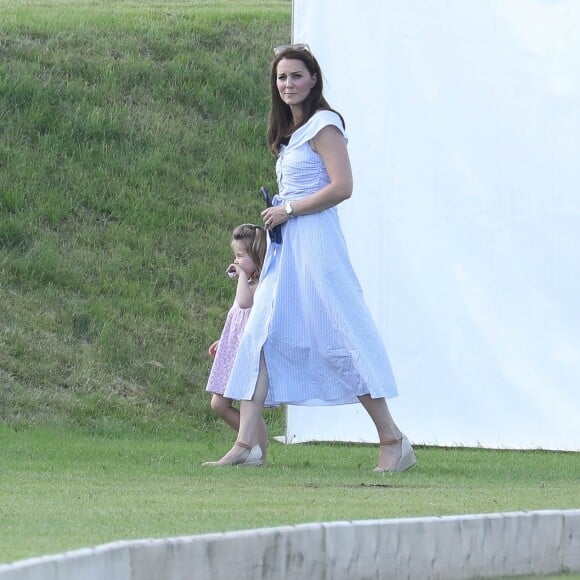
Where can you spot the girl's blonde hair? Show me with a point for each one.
(254, 240)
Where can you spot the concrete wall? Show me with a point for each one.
(451, 547)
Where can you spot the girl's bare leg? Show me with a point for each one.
(387, 430)
(223, 408)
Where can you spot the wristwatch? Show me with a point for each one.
(289, 210)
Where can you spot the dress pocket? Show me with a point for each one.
(344, 365)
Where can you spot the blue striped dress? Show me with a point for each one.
(321, 346)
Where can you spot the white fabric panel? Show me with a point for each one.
(464, 227)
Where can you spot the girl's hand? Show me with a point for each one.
(233, 271)
(213, 348)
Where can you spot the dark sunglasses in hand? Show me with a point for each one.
(275, 232)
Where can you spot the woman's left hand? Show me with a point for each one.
(274, 216)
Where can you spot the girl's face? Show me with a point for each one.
(243, 259)
(294, 81)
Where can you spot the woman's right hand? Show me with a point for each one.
(213, 348)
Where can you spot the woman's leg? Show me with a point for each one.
(389, 453)
(252, 427)
(223, 408)
(263, 438)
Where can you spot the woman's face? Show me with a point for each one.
(294, 81)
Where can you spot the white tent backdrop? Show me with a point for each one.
(464, 227)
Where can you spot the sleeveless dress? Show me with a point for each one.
(320, 344)
(228, 347)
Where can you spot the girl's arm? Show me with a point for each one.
(245, 289)
(329, 143)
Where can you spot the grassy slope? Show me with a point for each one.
(132, 142)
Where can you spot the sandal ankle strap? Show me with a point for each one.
(243, 445)
(387, 442)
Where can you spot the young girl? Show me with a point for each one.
(249, 247)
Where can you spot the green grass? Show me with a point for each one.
(62, 490)
(132, 142)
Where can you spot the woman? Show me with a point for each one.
(310, 339)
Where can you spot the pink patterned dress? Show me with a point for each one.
(227, 349)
